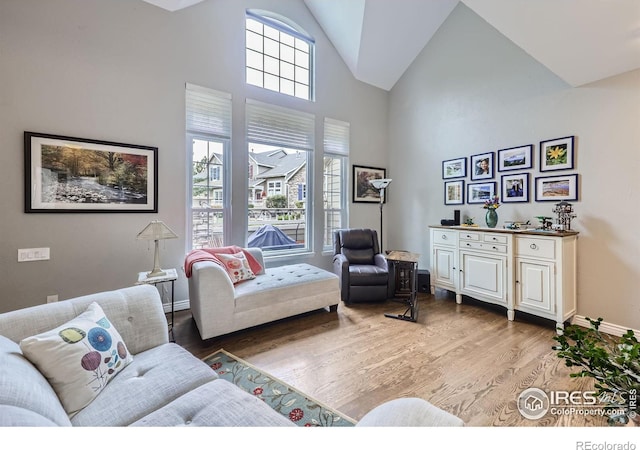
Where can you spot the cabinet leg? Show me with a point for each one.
(560, 328)
(511, 314)
(459, 299)
(433, 290)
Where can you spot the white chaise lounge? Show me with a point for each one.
(220, 307)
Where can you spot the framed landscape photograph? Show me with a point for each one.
(70, 175)
(454, 168)
(558, 188)
(556, 154)
(363, 191)
(515, 188)
(515, 158)
(479, 192)
(454, 192)
(481, 166)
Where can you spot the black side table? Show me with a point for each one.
(171, 275)
(406, 282)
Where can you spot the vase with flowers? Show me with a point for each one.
(491, 204)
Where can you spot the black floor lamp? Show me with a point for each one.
(381, 184)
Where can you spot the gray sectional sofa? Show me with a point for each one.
(163, 385)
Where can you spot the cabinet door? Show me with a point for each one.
(444, 267)
(483, 276)
(535, 286)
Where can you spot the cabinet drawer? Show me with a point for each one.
(444, 237)
(484, 246)
(495, 238)
(469, 236)
(536, 247)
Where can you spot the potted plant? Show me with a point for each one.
(614, 363)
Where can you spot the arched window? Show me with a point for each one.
(279, 55)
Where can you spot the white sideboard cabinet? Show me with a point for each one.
(529, 271)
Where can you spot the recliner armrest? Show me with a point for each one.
(380, 261)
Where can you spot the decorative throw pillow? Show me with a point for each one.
(78, 358)
(237, 266)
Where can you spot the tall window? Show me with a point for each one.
(336, 154)
(279, 55)
(208, 121)
(280, 144)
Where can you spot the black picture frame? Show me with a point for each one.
(515, 158)
(363, 191)
(64, 174)
(477, 169)
(557, 188)
(454, 168)
(480, 192)
(454, 192)
(557, 154)
(515, 188)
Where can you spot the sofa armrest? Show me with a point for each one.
(409, 412)
(211, 297)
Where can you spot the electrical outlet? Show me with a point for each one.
(52, 298)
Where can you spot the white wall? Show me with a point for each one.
(116, 71)
(472, 91)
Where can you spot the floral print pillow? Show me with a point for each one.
(237, 267)
(78, 358)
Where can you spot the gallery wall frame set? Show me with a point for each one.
(363, 191)
(75, 175)
(515, 188)
(557, 188)
(480, 192)
(557, 154)
(481, 166)
(454, 168)
(515, 158)
(454, 192)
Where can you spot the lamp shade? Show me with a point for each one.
(155, 231)
(380, 183)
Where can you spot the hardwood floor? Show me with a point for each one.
(466, 359)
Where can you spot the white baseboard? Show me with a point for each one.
(179, 305)
(605, 327)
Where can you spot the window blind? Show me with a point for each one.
(208, 111)
(276, 125)
(336, 136)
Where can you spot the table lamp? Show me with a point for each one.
(156, 231)
(381, 184)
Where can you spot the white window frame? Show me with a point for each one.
(208, 117)
(268, 34)
(290, 129)
(336, 146)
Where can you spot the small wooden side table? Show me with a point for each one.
(170, 276)
(406, 268)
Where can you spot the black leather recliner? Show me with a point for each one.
(362, 269)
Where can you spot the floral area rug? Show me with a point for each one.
(288, 401)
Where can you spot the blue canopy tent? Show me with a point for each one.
(268, 237)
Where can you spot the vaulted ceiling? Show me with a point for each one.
(581, 41)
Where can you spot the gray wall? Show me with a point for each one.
(116, 71)
(472, 91)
